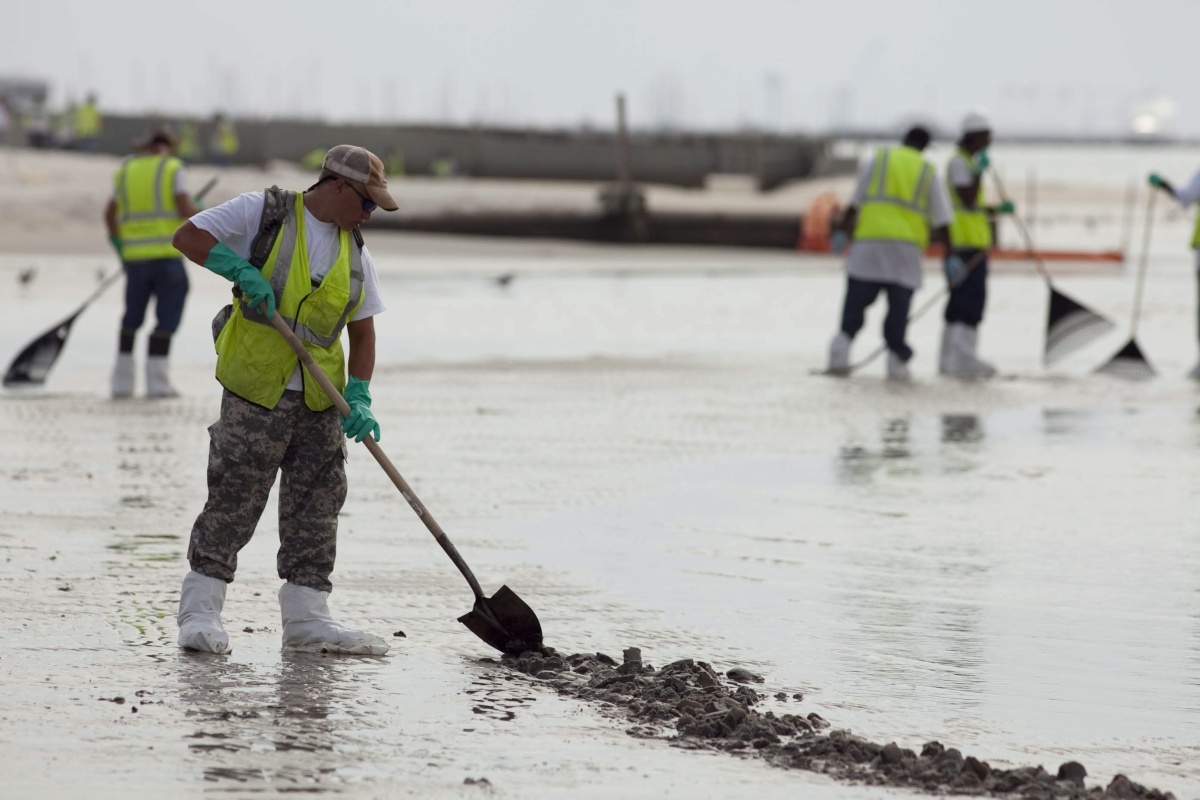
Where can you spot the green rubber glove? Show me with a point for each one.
(115, 241)
(250, 282)
(1006, 207)
(1157, 181)
(980, 162)
(361, 421)
(956, 270)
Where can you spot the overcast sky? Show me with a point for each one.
(1045, 65)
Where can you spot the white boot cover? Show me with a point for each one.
(897, 368)
(946, 360)
(963, 361)
(200, 604)
(839, 354)
(122, 377)
(308, 628)
(971, 345)
(157, 383)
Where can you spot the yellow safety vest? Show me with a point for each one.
(225, 139)
(896, 204)
(87, 121)
(970, 226)
(147, 216)
(253, 360)
(189, 142)
(1196, 233)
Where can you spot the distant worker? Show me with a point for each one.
(87, 126)
(148, 205)
(37, 125)
(223, 144)
(896, 204)
(189, 143)
(972, 233)
(1186, 196)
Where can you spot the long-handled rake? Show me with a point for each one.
(1069, 324)
(1129, 362)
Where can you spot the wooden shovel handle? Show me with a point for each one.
(317, 374)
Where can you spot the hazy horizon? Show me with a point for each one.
(1059, 68)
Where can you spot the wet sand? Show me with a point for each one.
(632, 441)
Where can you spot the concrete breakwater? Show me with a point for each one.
(677, 159)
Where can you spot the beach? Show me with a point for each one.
(634, 441)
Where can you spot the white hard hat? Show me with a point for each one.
(976, 122)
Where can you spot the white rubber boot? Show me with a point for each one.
(200, 604)
(897, 368)
(122, 376)
(946, 360)
(157, 382)
(970, 339)
(308, 627)
(839, 354)
(962, 361)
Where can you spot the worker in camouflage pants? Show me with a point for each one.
(298, 256)
(248, 444)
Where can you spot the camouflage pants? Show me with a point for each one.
(248, 446)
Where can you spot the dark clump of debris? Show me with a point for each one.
(692, 706)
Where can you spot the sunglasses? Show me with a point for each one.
(368, 205)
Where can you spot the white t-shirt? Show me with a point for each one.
(1186, 195)
(960, 173)
(235, 223)
(893, 262)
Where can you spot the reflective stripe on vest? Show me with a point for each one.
(896, 203)
(147, 216)
(253, 360)
(970, 227)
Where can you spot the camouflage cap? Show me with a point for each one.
(364, 168)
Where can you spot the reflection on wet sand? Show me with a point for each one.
(858, 463)
(961, 428)
(283, 740)
(916, 607)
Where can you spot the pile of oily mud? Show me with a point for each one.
(688, 703)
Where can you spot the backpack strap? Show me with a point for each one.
(275, 211)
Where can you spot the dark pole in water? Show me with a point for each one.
(624, 165)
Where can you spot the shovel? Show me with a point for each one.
(503, 620)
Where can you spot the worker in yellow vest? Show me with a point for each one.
(898, 206)
(87, 126)
(148, 204)
(299, 255)
(1186, 196)
(971, 235)
(189, 143)
(223, 144)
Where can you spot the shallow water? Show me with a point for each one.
(633, 441)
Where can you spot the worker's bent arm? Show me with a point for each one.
(362, 348)
(849, 219)
(968, 195)
(941, 235)
(187, 209)
(110, 218)
(194, 243)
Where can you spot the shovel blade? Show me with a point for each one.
(505, 622)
